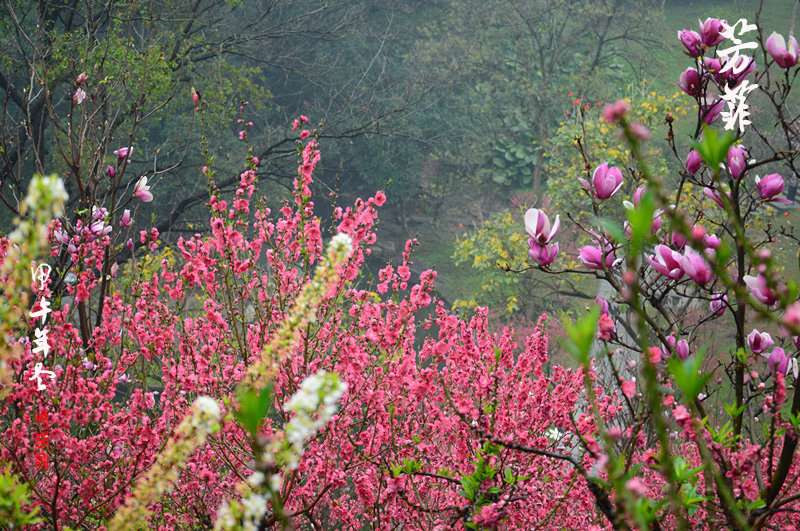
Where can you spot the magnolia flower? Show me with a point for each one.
(680, 348)
(758, 287)
(712, 241)
(124, 379)
(110, 171)
(129, 244)
(718, 303)
(778, 361)
(712, 111)
(716, 196)
(542, 254)
(637, 198)
(737, 160)
(123, 153)
(689, 82)
(676, 240)
(125, 221)
(592, 257)
(691, 40)
(740, 70)
(695, 266)
(79, 96)
(694, 162)
(713, 66)
(142, 191)
(710, 31)
(99, 228)
(759, 341)
(603, 305)
(770, 186)
(82, 78)
(785, 56)
(538, 227)
(667, 262)
(606, 181)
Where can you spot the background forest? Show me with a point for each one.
(467, 108)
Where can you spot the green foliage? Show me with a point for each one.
(515, 160)
(713, 148)
(497, 244)
(253, 407)
(564, 163)
(14, 500)
(581, 334)
(688, 374)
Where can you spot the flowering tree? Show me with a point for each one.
(711, 428)
(231, 387)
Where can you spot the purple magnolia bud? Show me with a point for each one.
(542, 254)
(603, 305)
(114, 270)
(712, 111)
(656, 224)
(712, 241)
(759, 341)
(693, 162)
(111, 172)
(737, 160)
(682, 349)
(129, 244)
(778, 361)
(123, 153)
(638, 194)
(710, 32)
(760, 290)
(715, 196)
(770, 187)
(719, 302)
(677, 240)
(667, 262)
(61, 237)
(125, 221)
(606, 181)
(695, 266)
(538, 227)
(592, 257)
(691, 40)
(689, 82)
(785, 56)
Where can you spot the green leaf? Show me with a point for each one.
(581, 335)
(253, 408)
(641, 219)
(687, 374)
(712, 148)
